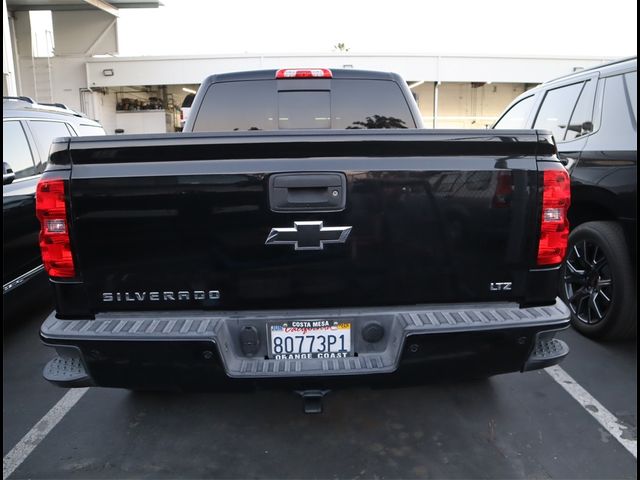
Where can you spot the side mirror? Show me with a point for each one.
(7, 174)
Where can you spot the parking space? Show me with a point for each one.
(608, 372)
(26, 396)
(510, 426)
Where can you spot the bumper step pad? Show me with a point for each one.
(67, 372)
(546, 353)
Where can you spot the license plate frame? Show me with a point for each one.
(307, 349)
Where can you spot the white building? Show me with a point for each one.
(84, 72)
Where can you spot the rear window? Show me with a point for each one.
(369, 104)
(338, 104)
(238, 106)
(302, 109)
(188, 100)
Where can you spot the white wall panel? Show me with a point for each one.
(177, 70)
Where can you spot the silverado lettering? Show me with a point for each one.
(160, 296)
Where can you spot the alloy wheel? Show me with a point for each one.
(587, 282)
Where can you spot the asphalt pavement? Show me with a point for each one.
(509, 426)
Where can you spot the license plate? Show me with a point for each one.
(301, 339)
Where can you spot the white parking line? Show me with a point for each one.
(615, 427)
(40, 430)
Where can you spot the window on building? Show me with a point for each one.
(516, 117)
(556, 109)
(41, 23)
(16, 151)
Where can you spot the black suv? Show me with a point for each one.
(593, 117)
(28, 129)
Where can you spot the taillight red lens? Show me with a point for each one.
(554, 224)
(304, 73)
(55, 246)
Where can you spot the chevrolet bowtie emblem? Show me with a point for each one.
(307, 235)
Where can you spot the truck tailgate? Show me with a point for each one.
(184, 220)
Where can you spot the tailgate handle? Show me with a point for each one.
(307, 192)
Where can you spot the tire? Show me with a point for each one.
(598, 283)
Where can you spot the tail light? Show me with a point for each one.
(304, 73)
(554, 224)
(55, 245)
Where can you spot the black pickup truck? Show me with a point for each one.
(304, 232)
